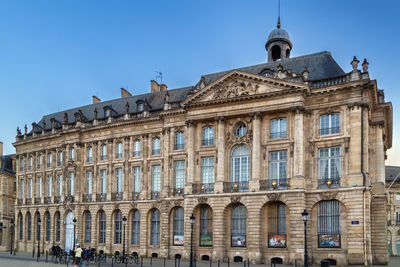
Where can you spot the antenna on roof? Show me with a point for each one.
(159, 76)
(279, 14)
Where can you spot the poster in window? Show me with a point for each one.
(329, 241)
(206, 240)
(277, 241)
(238, 240)
(178, 240)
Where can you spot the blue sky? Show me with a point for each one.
(55, 55)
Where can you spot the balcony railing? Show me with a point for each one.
(135, 195)
(156, 151)
(39, 166)
(280, 183)
(333, 182)
(328, 82)
(326, 131)
(29, 168)
(101, 197)
(47, 200)
(103, 157)
(48, 164)
(207, 142)
(236, 187)
(20, 201)
(118, 156)
(205, 188)
(276, 135)
(59, 163)
(89, 159)
(155, 194)
(264, 185)
(57, 199)
(179, 146)
(28, 201)
(116, 196)
(178, 192)
(69, 198)
(136, 153)
(38, 200)
(86, 197)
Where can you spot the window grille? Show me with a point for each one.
(277, 169)
(102, 227)
(29, 226)
(180, 140)
(206, 229)
(329, 223)
(178, 226)
(155, 228)
(208, 136)
(135, 227)
(48, 226)
(88, 227)
(21, 228)
(238, 226)
(58, 227)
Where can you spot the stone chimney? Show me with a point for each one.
(163, 87)
(125, 93)
(155, 87)
(1, 148)
(96, 99)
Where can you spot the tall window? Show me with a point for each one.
(135, 227)
(49, 185)
(37, 227)
(178, 226)
(278, 128)
(21, 227)
(136, 148)
(180, 140)
(277, 225)
(330, 124)
(398, 216)
(29, 219)
(118, 227)
(156, 178)
(49, 160)
(238, 226)
(89, 182)
(208, 136)
(156, 146)
(118, 154)
(88, 227)
(207, 174)
(240, 167)
(102, 227)
(71, 184)
(39, 163)
(118, 179)
(39, 187)
(21, 189)
(103, 181)
(277, 169)
(329, 166)
(90, 154)
(30, 192)
(21, 164)
(72, 153)
(155, 228)
(58, 226)
(60, 158)
(206, 226)
(179, 173)
(136, 179)
(48, 226)
(103, 152)
(59, 185)
(30, 162)
(329, 224)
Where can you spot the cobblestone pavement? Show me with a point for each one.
(26, 260)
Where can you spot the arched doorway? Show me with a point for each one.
(69, 231)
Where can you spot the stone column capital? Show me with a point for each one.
(189, 123)
(255, 115)
(220, 119)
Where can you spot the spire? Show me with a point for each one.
(279, 15)
(279, 23)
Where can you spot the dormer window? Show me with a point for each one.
(140, 107)
(107, 113)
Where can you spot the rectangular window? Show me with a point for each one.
(49, 160)
(30, 162)
(207, 170)
(71, 185)
(39, 188)
(136, 148)
(90, 154)
(59, 185)
(89, 182)
(180, 141)
(179, 174)
(208, 136)
(30, 188)
(277, 169)
(60, 158)
(49, 185)
(278, 128)
(136, 179)
(329, 224)
(88, 230)
(329, 166)
(21, 165)
(156, 178)
(21, 189)
(276, 225)
(103, 155)
(330, 124)
(72, 154)
(118, 181)
(119, 151)
(58, 227)
(102, 228)
(103, 181)
(39, 163)
(156, 146)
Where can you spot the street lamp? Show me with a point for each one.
(11, 235)
(74, 221)
(191, 239)
(39, 222)
(305, 217)
(123, 246)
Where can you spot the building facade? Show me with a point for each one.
(245, 151)
(8, 188)
(393, 208)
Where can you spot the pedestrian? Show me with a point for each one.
(78, 255)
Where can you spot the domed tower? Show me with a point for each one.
(278, 45)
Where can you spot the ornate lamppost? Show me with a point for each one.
(39, 222)
(74, 221)
(11, 235)
(191, 240)
(305, 217)
(123, 245)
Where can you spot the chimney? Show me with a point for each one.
(125, 93)
(1, 148)
(96, 99)
(155, 87)
(163, 87)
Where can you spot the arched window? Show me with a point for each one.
(277, 225)
(155, 228)
(38, 226)
(118, 227)
(178, 226)
(238, 226)
(240, 168)
(206, 226)
(88, 227)
(179, 140)
(48, 226)
(135, 227)
(102, 227)
(208, 136)
(58, 226)
(29, 219)
(276, 52)
(21, 227)
(136, 148)
(329, 224)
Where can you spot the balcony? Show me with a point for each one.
(47, 200)
(57, 199)
(178, 192)
(329, 182)
(116, 196)
(39, 166)
(280, 183)
(326, 131)
(205, 188)
(230, 187)
(28, 201)
(277, 135)
(48, 164)
(20, 201)
(135, 196)
(155, 194)
(86, 197)
(101, 197)
(38, 200)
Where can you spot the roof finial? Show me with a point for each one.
(279, 15)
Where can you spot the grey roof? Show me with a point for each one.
(278, 33)
(391, 172)
(6, 164)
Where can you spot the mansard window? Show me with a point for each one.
(135, 227)
(39, 187)
(30, 162)
(103, 152)
(88, 227)
(136, 148)
(240, 168)
(156, 181)
(278, 128)
(207, 138)
(155, 228)
(329, 224)
(48, 226)
(180, 140)
(156, 146)
(90, 154)
(238, 226)
(107, 112)
(49, 185)
(241, 130)
(60, 158)
(207, 170)
(118, 180)
(21, 189)
(329, 166)
(21, 164)
(30, 189)
(59, 185)
(72, 153)
(277, 225)
(89, 176)
(136, 179)
(102, 227)
(178, 226)
(140, 107)
(21, 227)
(49, 160)
(206, 230)
(179, 174)
(103, 181)
(29, 220)
(330, 124)
(71, 184)
(39, 163)
(58, 226)
(118, 154)
(277, 169)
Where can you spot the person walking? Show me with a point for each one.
(78, 255)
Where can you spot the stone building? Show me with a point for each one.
(245, 151)
(393, 208)
(7, 198)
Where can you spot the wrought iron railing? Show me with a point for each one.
(103, 157)
(264, 185)
(326, 131)
(204, 188)
(89, 159)
(38, 200)
(118, 155)
(28, 201)
(276, 135)
(135, 196)
(57, 199)
(179, 146)
(70, 198)
(20, 201)
(332, 182)
(178, 191)
(155, 194)
(328, 82)
(101, 197)
(207, 142)
(47, 200)
(136, 153)
(86, 197)
(280, 183)
(116, 196)
(236, 186)
(156, 152)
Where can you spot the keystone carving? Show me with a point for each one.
(328, 195)
(202, 200)
(235, 199)
(273, 196)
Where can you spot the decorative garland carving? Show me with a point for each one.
(202, 200)
(274, 196)
(234, 139)
(235, 89)
(328, 195)
(235, 199)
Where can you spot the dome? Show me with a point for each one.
(279, 34)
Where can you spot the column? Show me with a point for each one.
(219, 184)
(380, 155)
(191, 156)
(298, 153)
(254, 183)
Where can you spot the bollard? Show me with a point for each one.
(33, 253)
(112, 261)
(228, 261)
(47, 255)
(218, 263)
(141, 262)
(164, 261)
(151, 260)
(210, 262)
(248, 262)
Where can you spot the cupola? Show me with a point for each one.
(278, 45)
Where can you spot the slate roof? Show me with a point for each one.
(391, 172)
(6, 164)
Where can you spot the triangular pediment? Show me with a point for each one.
(238, 84)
